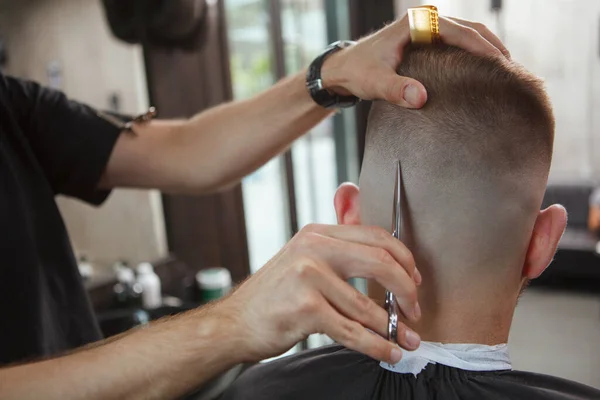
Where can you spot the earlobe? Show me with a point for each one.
(549, 227)
(347, 204)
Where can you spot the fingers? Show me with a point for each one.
(485, 33)
(374, 237)
(389, 86)
(393, 279)
(353, 304)
(349, 260)
(407, 338)
(462, 33)
(467, 38)
(357, 307)
(405, 92)
(354, 336)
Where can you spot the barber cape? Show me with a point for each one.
(434, 371)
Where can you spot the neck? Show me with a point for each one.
(465, 316)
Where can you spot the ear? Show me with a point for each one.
(347, 204)
(547, 231)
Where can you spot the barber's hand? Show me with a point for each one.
(303, 290)
(368, 70)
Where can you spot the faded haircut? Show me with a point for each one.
(475, 160)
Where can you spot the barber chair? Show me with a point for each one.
(577, 263)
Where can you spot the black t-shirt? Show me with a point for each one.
(49, 145)
(336, 373)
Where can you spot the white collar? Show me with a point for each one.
(470, 357)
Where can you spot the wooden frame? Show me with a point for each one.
(209, 230)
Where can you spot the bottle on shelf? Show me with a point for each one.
(128, 293)
(213, 283)
(150, 283)
(86, 269)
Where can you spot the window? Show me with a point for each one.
(265, 194)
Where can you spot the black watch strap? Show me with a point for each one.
(314, 84)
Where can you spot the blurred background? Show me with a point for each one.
(123, 56)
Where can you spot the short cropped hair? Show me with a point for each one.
(475, 159)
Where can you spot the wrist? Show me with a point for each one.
(331, 90)
(227, 323)
(333, 74)
(331, 96)
(218, 327)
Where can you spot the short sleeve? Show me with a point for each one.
(71, 142)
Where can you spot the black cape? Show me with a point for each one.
(334, 372)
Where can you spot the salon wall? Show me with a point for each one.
(557, 40)
(72, 37)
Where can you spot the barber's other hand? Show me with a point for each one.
(303, 290)
(368, 69)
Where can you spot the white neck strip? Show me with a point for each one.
(470, 357)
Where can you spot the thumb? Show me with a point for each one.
(403, 91)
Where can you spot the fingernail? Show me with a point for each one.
(412, 339)
(418, 277)
(396, 355)
(412, 95)
(417, 310)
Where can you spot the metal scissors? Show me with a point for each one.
(128, 126)
(391, 305)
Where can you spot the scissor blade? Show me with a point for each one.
(397, 214)
(390, 301)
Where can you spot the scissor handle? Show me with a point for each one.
(392, 308)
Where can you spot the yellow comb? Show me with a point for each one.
(424, 25)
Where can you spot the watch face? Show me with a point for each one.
(316, 84)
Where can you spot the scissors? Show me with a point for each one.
(128, 126)
(391, 305)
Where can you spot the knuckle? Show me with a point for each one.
(298, 238)
(479, 26)
(389, 92)
(392, 88)
(309, 305)
(305, 268)
(349, 334)
(307, 238)
(312, 227)
(472, 33)
(374, 230)
(467, 34)
(384, 257)
(362, 302)
(410, 258)
(380, 273)
(381, 234)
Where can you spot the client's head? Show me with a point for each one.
(475, 162)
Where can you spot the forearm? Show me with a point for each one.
(217, 147)
(238, 138)
(162, 361)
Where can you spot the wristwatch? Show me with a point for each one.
(314, 83)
